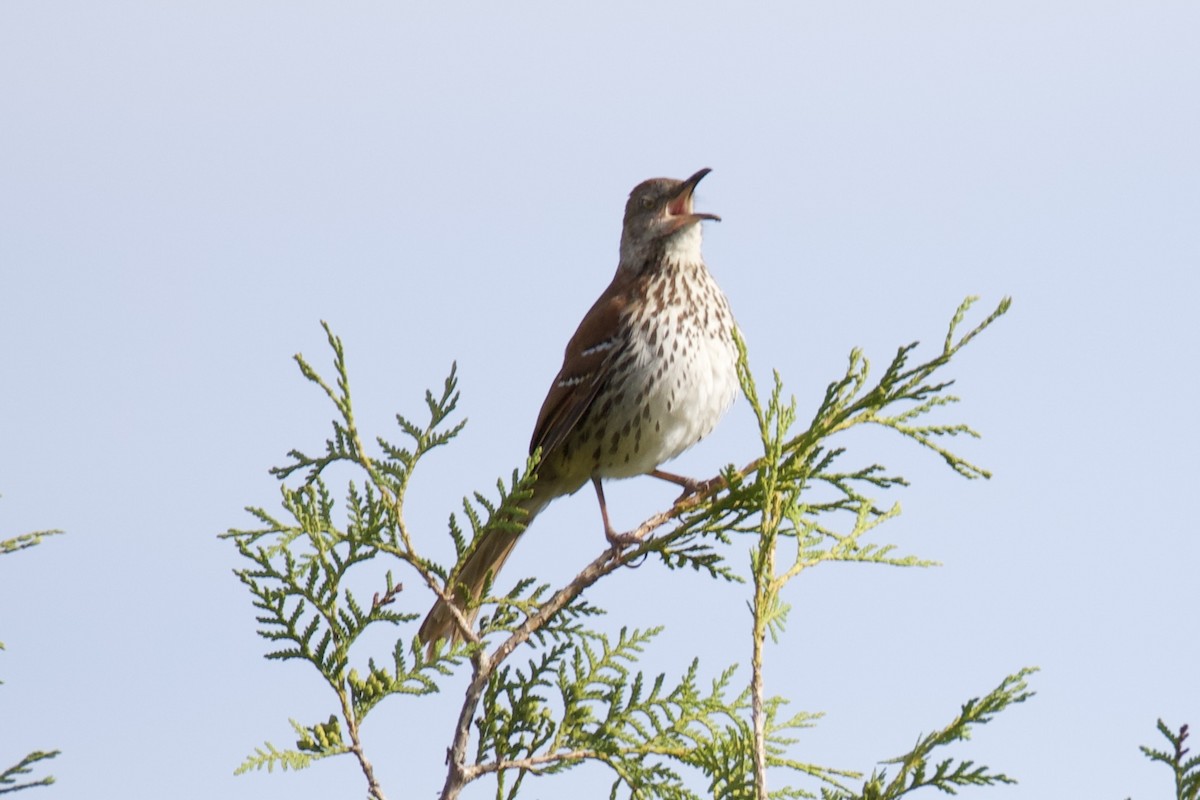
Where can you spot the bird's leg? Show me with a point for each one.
(690, 485)
(619, 541)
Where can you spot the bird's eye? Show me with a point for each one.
(647, 203)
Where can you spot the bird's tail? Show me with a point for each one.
(481, 565)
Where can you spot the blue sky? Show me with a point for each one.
(187, 189)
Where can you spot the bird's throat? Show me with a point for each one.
(683, 247)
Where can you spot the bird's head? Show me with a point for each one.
(659, 217)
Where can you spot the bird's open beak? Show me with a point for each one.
(680, 207)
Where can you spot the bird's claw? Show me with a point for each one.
(620, 541)
(693, 487)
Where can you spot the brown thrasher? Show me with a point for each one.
(649, 372)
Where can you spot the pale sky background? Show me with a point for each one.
(187, 189)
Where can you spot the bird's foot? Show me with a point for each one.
(620, 541)
(690, 486)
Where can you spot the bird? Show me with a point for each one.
(650, 371)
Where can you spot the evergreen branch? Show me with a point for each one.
(950, 347)
(1186, 771)
(789, 464)
(269, 757)
(10, 776)
(390, 475)
(401, 679)
(947, 775)
(484, 664)
(299, 570)
(609, 715)
(313, 744)
(609, 712)
(345, 444)
(625, 721)
(25, 540)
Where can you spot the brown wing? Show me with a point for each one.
(584, 371)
